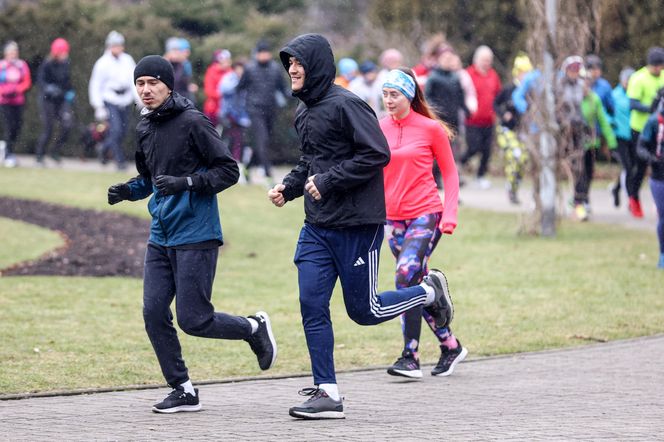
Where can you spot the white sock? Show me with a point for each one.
(254, 325)
(431, 294)
(331, 389)
(188, 388)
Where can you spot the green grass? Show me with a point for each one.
(511, 293)
(24, 242)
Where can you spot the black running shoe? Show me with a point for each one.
(178, 400)
(406, 366)
(262, 342)
(615, 191)
(442, 308)
(449, 359)
(318, 406)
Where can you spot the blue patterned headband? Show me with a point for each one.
(402, 82)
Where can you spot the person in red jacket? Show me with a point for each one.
(416, 217)
(220, 66)
(479, 125)
(15, 80)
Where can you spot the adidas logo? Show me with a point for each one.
(359, 262)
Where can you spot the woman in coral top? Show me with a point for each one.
(416, 216)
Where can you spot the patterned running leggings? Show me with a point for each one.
(412, 242)
(516, 155)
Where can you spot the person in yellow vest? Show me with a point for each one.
(642, 90)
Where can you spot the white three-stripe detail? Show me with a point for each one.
(378, 310)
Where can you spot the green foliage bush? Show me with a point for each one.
(207, 24)
(357, 28)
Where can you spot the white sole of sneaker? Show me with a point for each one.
(178, 409)
(461, 357)
(414, 374)
(446, 292)
(268, 325)
(319, 415)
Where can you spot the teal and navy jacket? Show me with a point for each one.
(178, 140)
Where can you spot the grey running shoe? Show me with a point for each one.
(442, 308)
(262, 342)
(448, 360)
(406, 366)
(178, 400)
(318, 406)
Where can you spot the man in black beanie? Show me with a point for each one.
(183, 164)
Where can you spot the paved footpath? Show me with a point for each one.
(612, 391)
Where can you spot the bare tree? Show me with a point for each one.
(556, 30)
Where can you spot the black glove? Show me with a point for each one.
(170, 185)
(118, 192)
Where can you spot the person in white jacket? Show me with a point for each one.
(111, 92)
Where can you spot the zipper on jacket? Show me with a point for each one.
(400, 134)
(161, 223)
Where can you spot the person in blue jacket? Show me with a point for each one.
(620, 123)
(183, 164)
(599, 84)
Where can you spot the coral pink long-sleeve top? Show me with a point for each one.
(410, 188)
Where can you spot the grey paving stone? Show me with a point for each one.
(612, 391)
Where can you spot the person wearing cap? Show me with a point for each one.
(215, 72)
(620, 124)
(263, 85)
(650, 148)
(177, 52)
(56, 96)
(363, 85)
(416, 216)
(111, 92)
(347, 72)
(183, 165)
(598, 83)
(340, 177)
(507, 130)
(579, 111)
(15, 80)
(642, 90)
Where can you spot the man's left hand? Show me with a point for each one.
(311, 188)
(170, 185)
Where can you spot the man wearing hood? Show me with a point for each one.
(340, 176)
(183, 164)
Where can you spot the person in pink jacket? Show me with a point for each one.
(15, 80)
(416, 216)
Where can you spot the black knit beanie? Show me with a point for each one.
(656, 56)
(155, 66)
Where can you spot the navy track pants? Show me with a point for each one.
(350, 254)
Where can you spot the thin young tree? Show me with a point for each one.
(556, 30)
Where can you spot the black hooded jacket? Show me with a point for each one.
(178, 140)
(341, 143)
